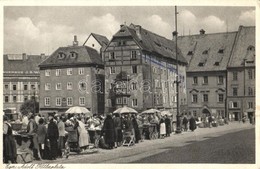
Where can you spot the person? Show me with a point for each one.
(83, 134)
(42, 132)
(61, 142)
(108, 131)
(118, 130)
(37, 118)
(32, 129)
(53, 135)
(193, 125)
(9, 145)
(210, 121)
(185, 123)
(168, 126)
(25, 121)
(136, 129)
(162, 128)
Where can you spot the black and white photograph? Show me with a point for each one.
(129, 84)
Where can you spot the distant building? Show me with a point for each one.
(207, 56)
(72, 76)
(21, 79)
(241, 75)
(140, 70)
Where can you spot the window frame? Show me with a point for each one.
(193, 98)
(80, 101)
(70, 86)
(47, 100)
(58, 100)
(47, 72)
(57, 86)
(47, 86)
(58, 72)
(135, 102)
(69, 99)
(69, 71)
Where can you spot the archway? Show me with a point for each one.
(206, 112)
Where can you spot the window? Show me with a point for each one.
(25, 87)
(251, 48)
(69, 71)
(205, 98)
(134, 102)
(235, 105)
(47, 101)
(33, 87)
(58, 72)
(47, 72)
(205, 80)
(69, 86)
(58, 86)
(216, 63)
(47, 86)
(220, 80)
(205, 52)
(81, 71)
(250, 91)
(112, 56)
(133, 54)
(125, 100)
(195, 80)
(221, 51)
(14, 87)
(73, 55)
(190, 53)
(134, 86)
(119, 100)
(69, 101)
(61, 55)
(83, 86)
(194, 98)
(6, 99)
(6, 87)
(250, 105)
(234, 75)
(25, 98)
(82, 101)
(235, 91)
(220, 98)
(112, 70)
(58, 101)
(250, 74)
(134, 69)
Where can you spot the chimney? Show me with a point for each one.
(121, 25)
(25, 57)
(138, 31)
(42, 56)
(75, 42)
(202, 32)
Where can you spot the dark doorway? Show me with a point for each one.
(236, 114)
(250, 114)
(206, 112)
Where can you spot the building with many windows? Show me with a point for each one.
(207, 56)
(72, 76)
(241, 75)
(140, 71)
(21, 79)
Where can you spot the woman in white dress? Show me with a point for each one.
(162, 128)
(83, 135)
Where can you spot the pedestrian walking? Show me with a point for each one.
(61, 140)
(42, 132)
(136, 129)
(32, 129)
(9, 145)
(193, 125)
(83, 134)
(162, 128)
(108, 131)
(118, 130)
(185, 123)
(210, 121)
(53, 135)
(168, 126)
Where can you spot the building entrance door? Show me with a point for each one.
(206, 112)
(236, 114)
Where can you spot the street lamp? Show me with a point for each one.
(178, 128)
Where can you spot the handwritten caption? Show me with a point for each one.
(34, 166)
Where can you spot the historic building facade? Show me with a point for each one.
(241, 75)
(140, 71)
(207, 56)
(72, 76)
(21, 79)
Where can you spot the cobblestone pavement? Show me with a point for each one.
(154, 149)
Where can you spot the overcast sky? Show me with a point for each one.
(36, 30)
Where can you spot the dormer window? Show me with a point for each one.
(205, 52)
(221, 51)
(61, 55)
(251, 48)
(73, 55)
(216, 63)
(201, 64)
(190, 53)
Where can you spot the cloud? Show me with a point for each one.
(105, 25)
(247, 18)
(213, 24)
(157, 25)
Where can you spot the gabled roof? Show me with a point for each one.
(244, 48)
(21, 63)
(102, 40)
(84, 55)
(207, 52)
(150, 41)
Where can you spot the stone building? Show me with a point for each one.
(140, 70)
(207, 56)
(72, 76)
(241, 75)
(21, 79)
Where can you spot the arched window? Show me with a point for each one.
(251, 48)
(61, 55)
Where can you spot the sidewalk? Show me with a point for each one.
(151, 147)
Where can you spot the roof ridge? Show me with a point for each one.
(209, 34)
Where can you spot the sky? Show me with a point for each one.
(36, 30)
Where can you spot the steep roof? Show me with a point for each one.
(16, 62)
(102, 40)
(151, 42)
(244, 48)
(84, 55)
(207, 52)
